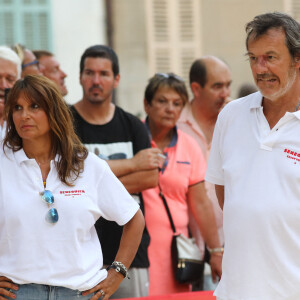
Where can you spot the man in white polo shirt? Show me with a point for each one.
(255, 164)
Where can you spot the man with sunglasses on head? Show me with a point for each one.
(10, 71)
(30, 64)
(122, 139)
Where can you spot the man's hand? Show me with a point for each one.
(147, 159)
(6, 285)
(216, 266)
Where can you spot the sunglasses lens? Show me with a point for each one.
(52, 215)
(47, 197)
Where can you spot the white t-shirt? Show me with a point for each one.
(2, 131)
(260, 169)
(67, 253)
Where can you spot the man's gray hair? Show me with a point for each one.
(262, 23)
(8, 54)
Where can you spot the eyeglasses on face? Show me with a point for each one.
(169, 75)
(52, 214)
(35, 62)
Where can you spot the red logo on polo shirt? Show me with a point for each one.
(72, 193)
(292, 155)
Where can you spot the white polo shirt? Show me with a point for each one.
(260, 169)
(67, 253)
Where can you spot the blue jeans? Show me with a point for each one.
(47, 292)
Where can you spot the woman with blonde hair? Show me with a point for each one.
(52, 191)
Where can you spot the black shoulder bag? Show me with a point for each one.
(186, 257)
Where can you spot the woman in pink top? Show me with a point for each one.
(181, 180)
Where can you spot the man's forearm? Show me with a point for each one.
(138, 181)
(203, 213)
(121, 167)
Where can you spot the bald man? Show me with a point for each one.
(210, 81)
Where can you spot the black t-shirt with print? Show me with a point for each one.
(120, 138)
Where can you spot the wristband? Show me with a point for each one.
(119, 267)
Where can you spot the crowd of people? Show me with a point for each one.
(81, 186)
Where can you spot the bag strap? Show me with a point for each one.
(167, 208)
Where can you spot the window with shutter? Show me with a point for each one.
(26, 22)
(173, 35)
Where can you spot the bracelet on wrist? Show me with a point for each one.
(216, 250)
(119, 267)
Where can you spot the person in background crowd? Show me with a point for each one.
(52, 191)
(246, 89)
(10, 72)
(254, 163)
(30, 65)
(122, 140)
(181, 180)
(210, 80)
(50, 68)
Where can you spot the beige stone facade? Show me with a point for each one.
(167, 35)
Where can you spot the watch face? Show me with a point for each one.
(118, 269)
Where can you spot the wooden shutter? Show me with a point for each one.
(159, 34)
(173, 35)
(26, 22)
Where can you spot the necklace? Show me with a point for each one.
(43, 163)
(38, 162)
(44, 176)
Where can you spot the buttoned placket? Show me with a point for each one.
(37, 174)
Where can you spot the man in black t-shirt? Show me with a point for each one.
(122, 140)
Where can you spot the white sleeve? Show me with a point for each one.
(115, 203)
(214, 172)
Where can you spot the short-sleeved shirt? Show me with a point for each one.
(184, 166)
(120, 138)
(2, 131)
(67, 253)
(260, 170)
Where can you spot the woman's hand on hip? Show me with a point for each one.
(5, 286)
(106, 287)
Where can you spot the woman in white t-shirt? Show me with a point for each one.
(52, 191)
